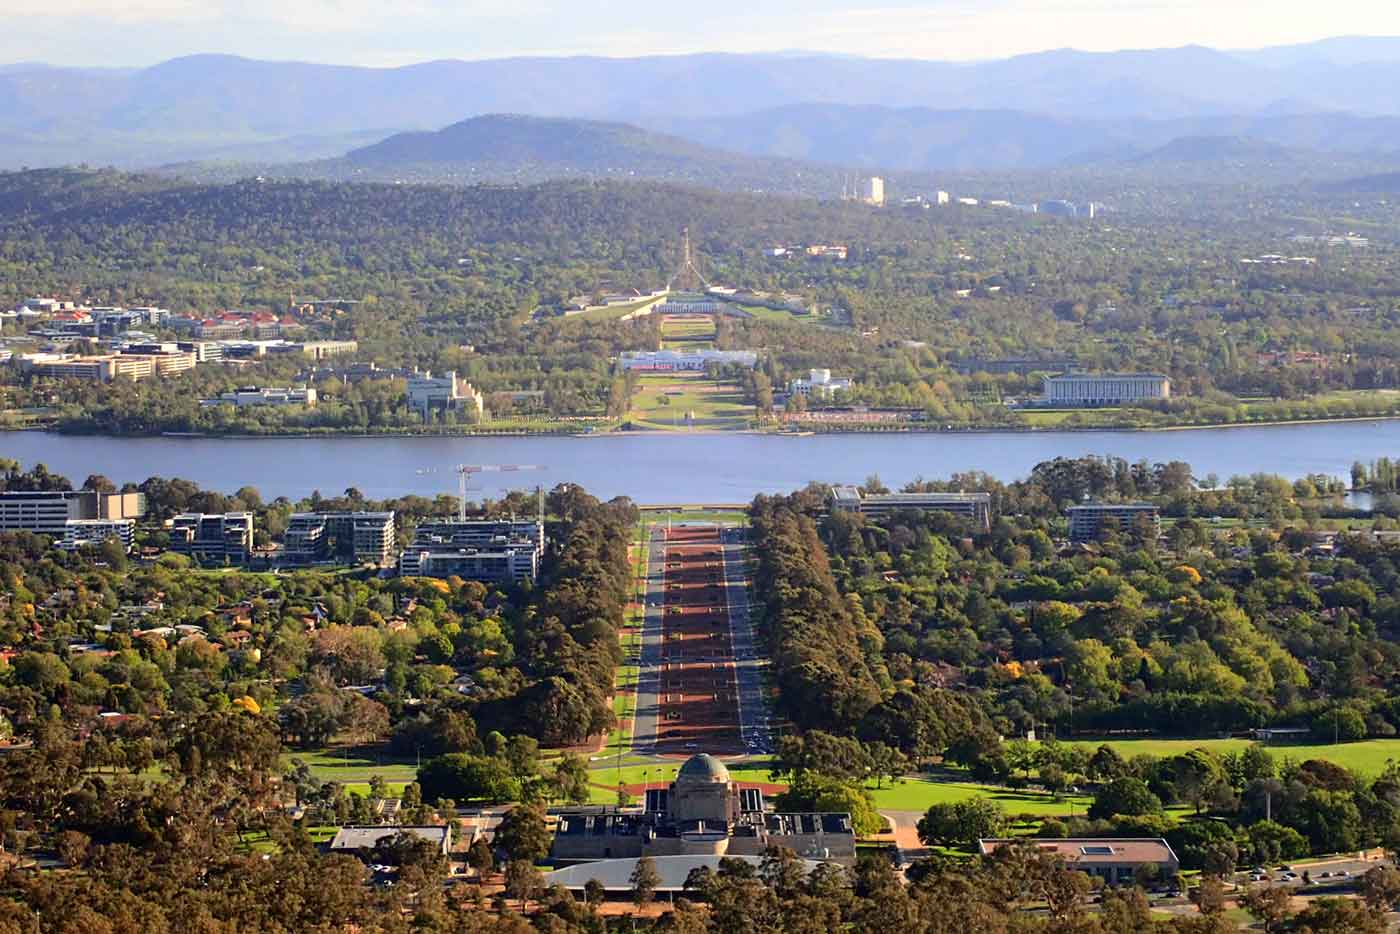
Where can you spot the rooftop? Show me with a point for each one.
(1093, 849)
(853, 494)
(1092, 376)
(1103, 506)
(703, 769)
(367, 838)
(616, 874)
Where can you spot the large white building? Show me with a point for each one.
(426, 391)
(252, 395)
(1100, 389)
(685, 359)
(820, 383)
(80, 532)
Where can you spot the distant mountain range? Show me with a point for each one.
(1030, 110)
(920, 139)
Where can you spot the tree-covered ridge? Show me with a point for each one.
(440, 267)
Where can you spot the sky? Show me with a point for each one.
(396, 32)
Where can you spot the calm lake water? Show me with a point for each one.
(678, 468)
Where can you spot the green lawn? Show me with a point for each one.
(256, 841)
(612, 312)
(783, 316)
(914, 794)
(679, 333)
(1367, 757)
(1049, 418)
(736, 516)
(604, 774)
(909, 795)
(355, 766)
(665, 402)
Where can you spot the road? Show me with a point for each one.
(754, 726)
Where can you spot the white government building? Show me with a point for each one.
(820, 383)
(1100, 389)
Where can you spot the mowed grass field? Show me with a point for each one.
(1368, 757)
(914, 794)
(612, 312)
(909, 794)
(682, 333)
(663, 402)
(782, 316)
(353, 768)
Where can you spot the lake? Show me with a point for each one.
(682, 468)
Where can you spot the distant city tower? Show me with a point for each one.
(873, 191)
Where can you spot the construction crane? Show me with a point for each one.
(466, 471)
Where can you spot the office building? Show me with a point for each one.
(363, 537)
(1087, 522)
(940, 197)
(319, 350)
(1115, 860)
(1090, 390)
(48, 513)
(974, 507)
(218, 538)
(204, 351)
(96, 369)
(427, 392)
(80, 532)
(685, 360)
(873, 191)
(166, 358)
(499, 551)
(252, 395)
(701, 814)
(819, 384)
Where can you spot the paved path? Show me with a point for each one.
(644, 727)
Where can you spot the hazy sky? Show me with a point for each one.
(392, 32)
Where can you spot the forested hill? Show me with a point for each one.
(476, 253)
(506, 147)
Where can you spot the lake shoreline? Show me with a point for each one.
(817, 431)
(652, 467)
